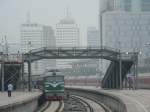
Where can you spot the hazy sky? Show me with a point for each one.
(47, 12)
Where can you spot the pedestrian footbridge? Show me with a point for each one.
(116, 72)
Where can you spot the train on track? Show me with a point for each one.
(53, 86)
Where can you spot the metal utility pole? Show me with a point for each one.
(101, 11)
(22, 72)
(29, 75)
(136, 70)
(29, 67)
(120, 69)
(101, 34)
(2, 65)
(2, 71)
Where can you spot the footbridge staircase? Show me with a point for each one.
(118, 70)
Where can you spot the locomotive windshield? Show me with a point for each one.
(52, 79)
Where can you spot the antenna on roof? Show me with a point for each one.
(6, 45)
(28, 17)
(67, 12)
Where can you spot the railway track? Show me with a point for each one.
(53, 106)
(82, 104)
(92, 104)
(75, 103)
(85, 103)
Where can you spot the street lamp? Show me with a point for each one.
(101, 34)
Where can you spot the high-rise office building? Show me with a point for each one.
(93, 39)
(67, 35)
(145, 5)
(126, 25)
(34, 36)
(125, 5)
(127, 31)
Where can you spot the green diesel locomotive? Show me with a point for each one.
(54, 86)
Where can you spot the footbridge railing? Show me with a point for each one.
(77, 53)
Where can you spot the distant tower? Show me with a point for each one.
(67, 35)
(67, 12)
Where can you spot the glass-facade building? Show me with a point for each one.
(145, 5)
(127, 26)
(93, 39)
(136, 5)
(125, 5)
(127, 31)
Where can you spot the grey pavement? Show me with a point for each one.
(17, 97)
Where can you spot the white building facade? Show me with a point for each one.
(34, 36)
(67, 36)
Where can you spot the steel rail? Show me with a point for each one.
(101, 104)
(95, 99)
(59, 109)
(49, 105)
(44, 107)
(86, 104)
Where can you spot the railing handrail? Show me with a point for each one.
(18, 56)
